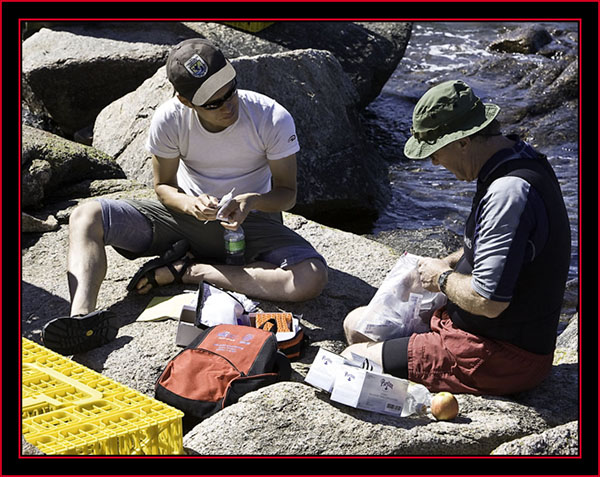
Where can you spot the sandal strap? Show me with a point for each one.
(178, 275)
(150, 276)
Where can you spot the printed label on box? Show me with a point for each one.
(369, 391)
(348, 385)
(323, 371)
(383, 393)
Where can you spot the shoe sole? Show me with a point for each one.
(72, 335)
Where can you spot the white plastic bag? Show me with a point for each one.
(218, 307)
(401, 306)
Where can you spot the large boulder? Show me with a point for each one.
(556, 91)
(368, 51)
(526, 40)
(296, 419)
(49, 163)
(70, 72)
(338, 172)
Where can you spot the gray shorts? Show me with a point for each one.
(144, 228)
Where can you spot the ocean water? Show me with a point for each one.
(424, 195)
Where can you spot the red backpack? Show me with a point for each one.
(222, 364)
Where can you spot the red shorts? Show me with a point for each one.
(450, 359)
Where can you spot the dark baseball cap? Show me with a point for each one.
(197, 69)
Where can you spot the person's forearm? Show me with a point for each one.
(277, 199)
(453, 258)
(173, 198)
(458, 288)
(459, 291)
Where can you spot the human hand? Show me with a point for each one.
(204, 207)
(237, 210)
(430, 270)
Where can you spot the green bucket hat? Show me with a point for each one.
(446, 113)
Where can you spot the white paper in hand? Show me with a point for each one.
(224, 202)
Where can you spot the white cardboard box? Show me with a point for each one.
(324, 369)
(354, 386)
(370, 391)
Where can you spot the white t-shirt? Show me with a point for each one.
(214, 163)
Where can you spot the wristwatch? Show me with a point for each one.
(442, 279)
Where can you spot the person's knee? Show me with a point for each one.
(86, 220)
(351, 324)
(308, 280)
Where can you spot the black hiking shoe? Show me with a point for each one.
(78, 334)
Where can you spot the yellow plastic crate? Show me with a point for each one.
(70, 409)
(252, 27)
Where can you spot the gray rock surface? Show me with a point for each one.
(308, 423)
(50, 162)
(29, 449)
(296, 419)
(72, 71)
(569, 338)
(560, 440)
(292, 417)
(31, 224)
(323, 72)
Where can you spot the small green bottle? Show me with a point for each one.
(235, 246)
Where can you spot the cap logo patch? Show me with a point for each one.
(196, 66)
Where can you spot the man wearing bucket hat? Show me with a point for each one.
(211, 139)
(497, 333)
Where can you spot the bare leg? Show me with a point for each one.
(261, 280)
(351, 323)
(86, 263)
(360, 344)
(371, 350)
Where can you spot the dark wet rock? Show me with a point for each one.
(527, 40)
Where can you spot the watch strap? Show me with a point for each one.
(442, 279)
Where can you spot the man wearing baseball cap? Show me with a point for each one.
(497, 333)
(209, 141)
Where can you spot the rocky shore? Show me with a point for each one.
(76, 149)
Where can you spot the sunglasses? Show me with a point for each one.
(220, 102)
